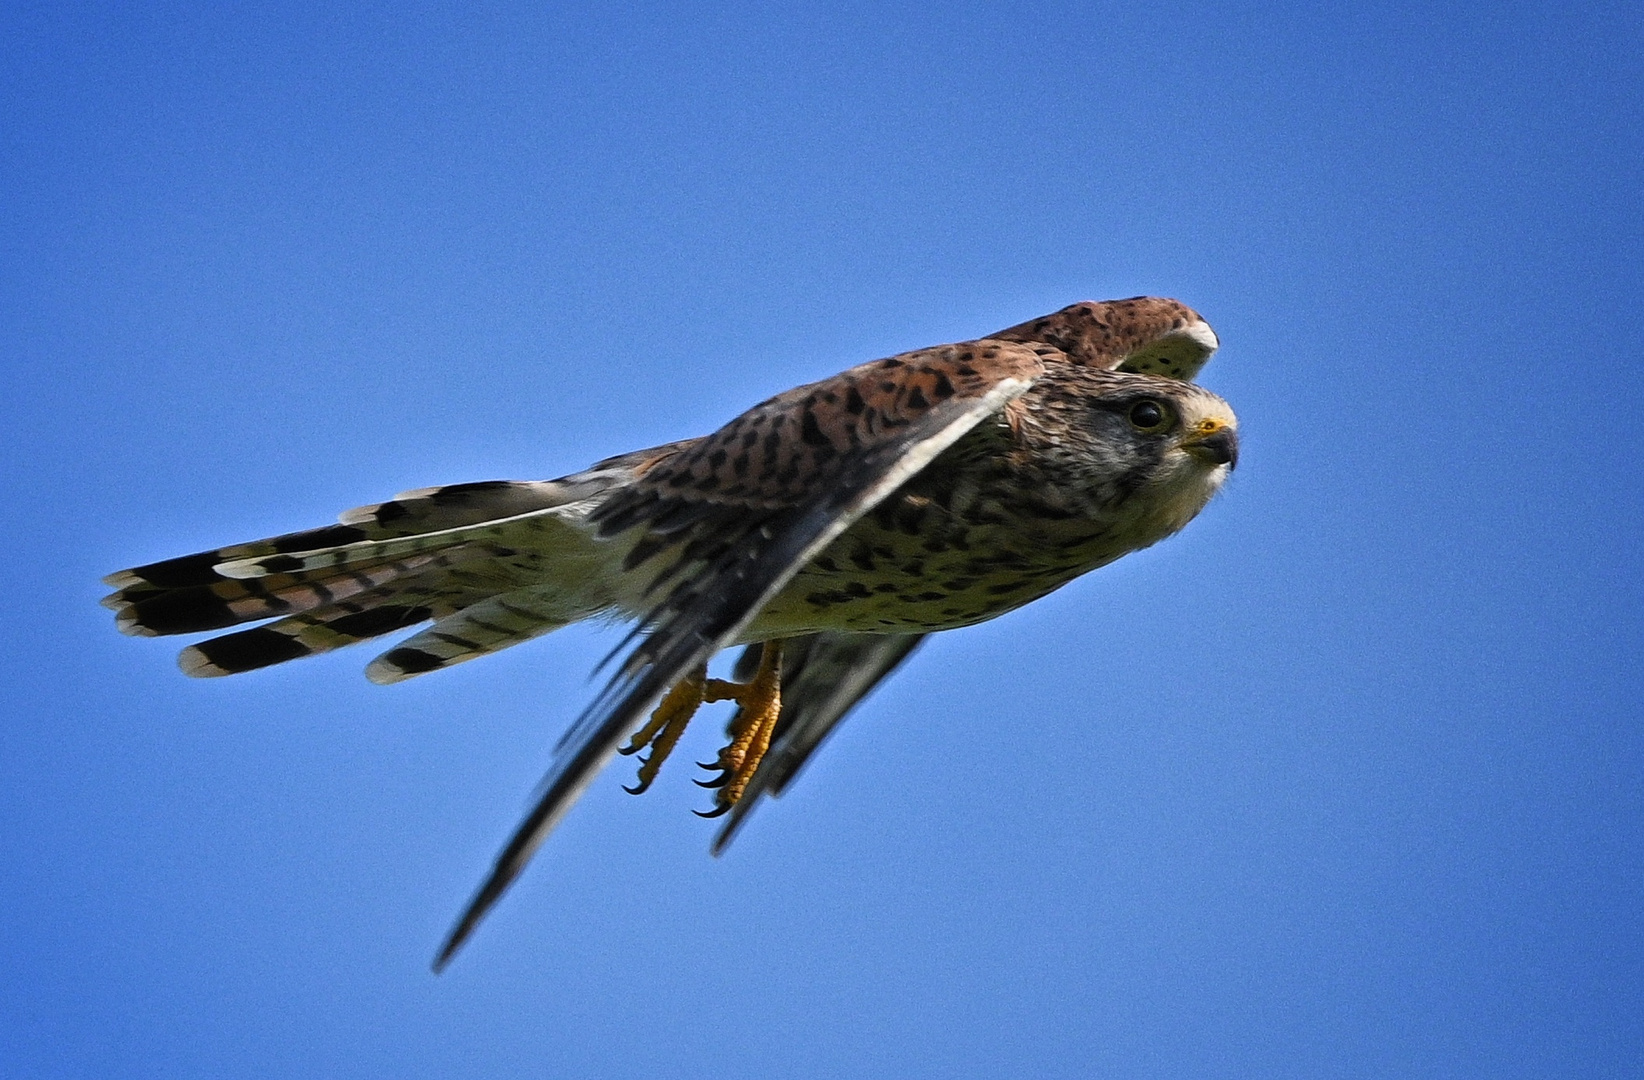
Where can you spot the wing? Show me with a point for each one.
(721, 526)
(1151, 335)
(824, 676)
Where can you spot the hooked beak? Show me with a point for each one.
(1214, 443)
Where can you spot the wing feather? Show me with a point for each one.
(487, 626)
(1151, 335)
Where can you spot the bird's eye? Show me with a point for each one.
(1148, 415)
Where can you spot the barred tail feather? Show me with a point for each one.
(219, 590)
(192, 571)
(407, 514)
(494, 563)
(398, 605)
(432, 509)
(296, 636)
(156, 613)
(480, 629)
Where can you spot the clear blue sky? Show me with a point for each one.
(1344, 781)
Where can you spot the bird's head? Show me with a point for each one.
(1154, 449)
(1178, 442)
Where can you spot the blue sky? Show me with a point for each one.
(1343, 781)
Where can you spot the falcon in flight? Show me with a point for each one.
(826, 530)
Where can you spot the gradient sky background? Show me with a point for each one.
(1344, 781)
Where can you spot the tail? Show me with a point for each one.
(492, 563)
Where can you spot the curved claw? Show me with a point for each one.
(631, 748)
(718, 811)
(717, 782)
(641, 788)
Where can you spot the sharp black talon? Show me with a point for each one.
(717, 811)
(626, 750)
(709, 765)
(640, 790)
(716, 782)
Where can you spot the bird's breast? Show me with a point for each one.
(915, 565)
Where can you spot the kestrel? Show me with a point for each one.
(827, 529)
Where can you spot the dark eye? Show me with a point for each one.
(1148, 415)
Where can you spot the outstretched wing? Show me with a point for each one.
(824, 676)
(722, 525)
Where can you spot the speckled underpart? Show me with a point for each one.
(1003, 517)
(846, 518)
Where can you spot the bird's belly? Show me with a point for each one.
(879, 579)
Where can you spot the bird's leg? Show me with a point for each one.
(666, 725)
(759, 704)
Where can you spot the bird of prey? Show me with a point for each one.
(826, 530)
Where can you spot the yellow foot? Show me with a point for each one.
(666, 725)
(750, 729)
(760, 703)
